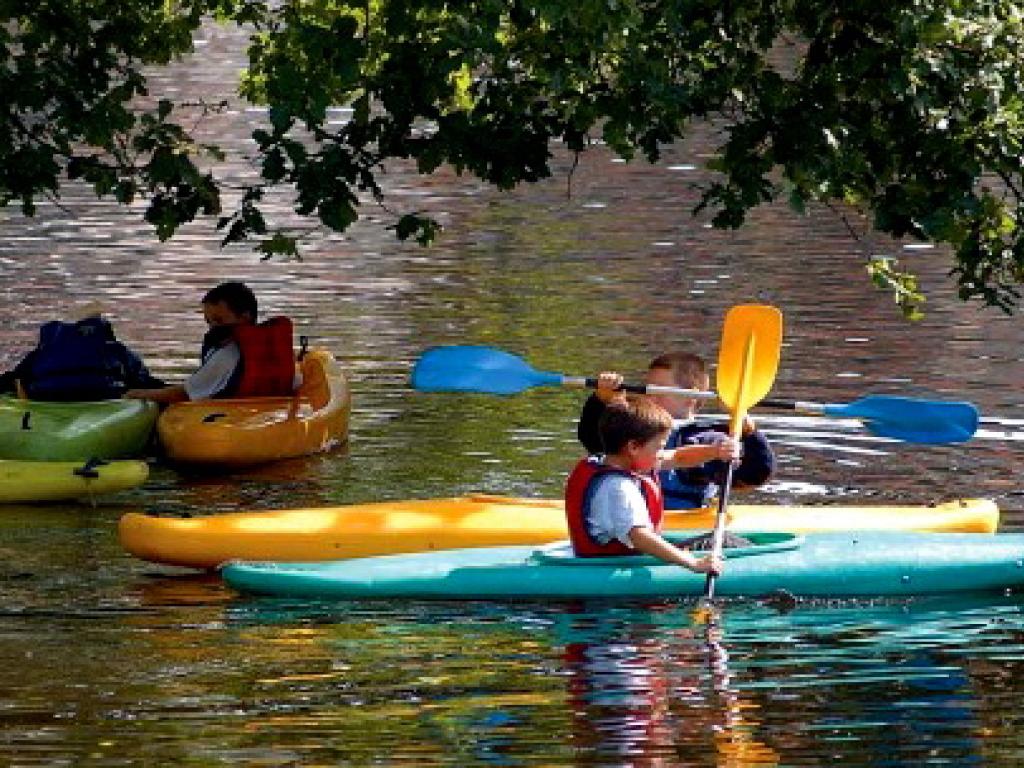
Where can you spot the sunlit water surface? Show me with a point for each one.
(111, 661)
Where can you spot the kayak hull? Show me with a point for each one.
(860, 564)
(35, 430)
(37, 481)
(247, 431)
(420, 525)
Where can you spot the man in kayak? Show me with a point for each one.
(695, 485)
(240, 358)
(613, 502)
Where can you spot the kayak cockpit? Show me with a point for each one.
(763, 542)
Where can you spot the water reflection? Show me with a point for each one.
(899, 682)
(639, 696)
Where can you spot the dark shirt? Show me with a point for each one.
(691, 487)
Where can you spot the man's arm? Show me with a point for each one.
(758, 464)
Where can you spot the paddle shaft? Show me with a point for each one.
(718, 536)
(578, 382)
(794, 405)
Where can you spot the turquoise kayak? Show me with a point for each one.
(863, 564)
(37, 430)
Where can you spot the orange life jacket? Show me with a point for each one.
(267, 367)
(579, 489)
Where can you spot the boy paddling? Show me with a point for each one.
(613, 501)
(692, 484)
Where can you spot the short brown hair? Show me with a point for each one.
(238, 297)
(632, 418)
(688, 370)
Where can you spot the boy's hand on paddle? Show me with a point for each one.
(728, 448)
(708, 564)
(609, 386)
(721, 447)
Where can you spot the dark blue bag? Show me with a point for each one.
(80, 361)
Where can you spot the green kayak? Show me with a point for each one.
(815, 564)
(38, 430)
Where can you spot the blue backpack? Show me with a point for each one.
(80, 361)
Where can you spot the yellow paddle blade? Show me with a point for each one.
(749, 355)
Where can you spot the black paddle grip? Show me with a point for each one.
(788, 405)
(636, 389)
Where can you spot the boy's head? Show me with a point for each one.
(229, 304)
(678, 369)
(634, 425)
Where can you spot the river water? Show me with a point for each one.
(110, 661)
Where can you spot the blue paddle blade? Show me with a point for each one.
(912, 420)
(477, 369)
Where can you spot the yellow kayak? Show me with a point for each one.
(255, 430)
(29, 481)
(419, 525)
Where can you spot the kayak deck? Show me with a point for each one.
(33, 430)
(420, 525)
(40, 481)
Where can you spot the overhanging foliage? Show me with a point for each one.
(909, 111)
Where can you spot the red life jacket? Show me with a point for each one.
(578, 492)
(267, 359)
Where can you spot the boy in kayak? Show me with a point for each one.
(613, 502)
(695, 485)
(240, 358)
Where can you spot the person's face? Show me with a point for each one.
(643, 457)
(219, 313)
(679, 406)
